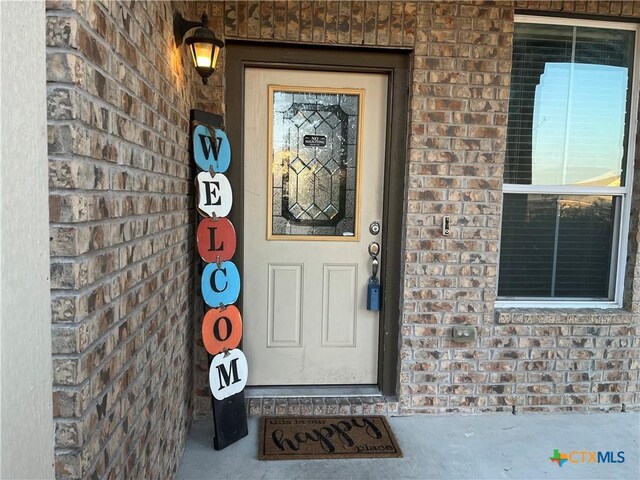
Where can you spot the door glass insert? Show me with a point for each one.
(314, 148)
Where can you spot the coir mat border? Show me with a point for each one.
(314, 437)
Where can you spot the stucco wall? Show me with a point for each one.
(26, 425)
(530, 360)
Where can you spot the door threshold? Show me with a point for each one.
(313, 391)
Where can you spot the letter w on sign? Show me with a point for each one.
(211, 149)
(228, 374)
(210, 145)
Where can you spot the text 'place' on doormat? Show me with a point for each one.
(298, 438)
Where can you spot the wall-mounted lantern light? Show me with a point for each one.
(203, 43)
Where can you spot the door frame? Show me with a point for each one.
(395, 64)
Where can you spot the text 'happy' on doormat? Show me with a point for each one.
(298, 438)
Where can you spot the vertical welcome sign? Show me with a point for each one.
(220, 281)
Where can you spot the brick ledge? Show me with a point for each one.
(563, 316)
(377, 405)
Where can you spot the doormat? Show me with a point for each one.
(298, 438)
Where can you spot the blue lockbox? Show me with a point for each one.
(373, 295)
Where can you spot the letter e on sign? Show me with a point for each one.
(214, 194)
(228, 374)
(221, 329)
(216, 239)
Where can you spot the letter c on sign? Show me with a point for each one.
(214, 280)
(220, 284)
(221, 329)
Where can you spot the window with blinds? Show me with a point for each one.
(565, 187)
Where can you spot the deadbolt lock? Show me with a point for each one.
(374, 228)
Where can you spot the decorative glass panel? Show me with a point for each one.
(314, 146)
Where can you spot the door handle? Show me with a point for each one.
(373, 289)
(374, 268)
(374, 250)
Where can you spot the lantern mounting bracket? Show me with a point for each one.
(182, 26)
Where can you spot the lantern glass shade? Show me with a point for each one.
(205, 55)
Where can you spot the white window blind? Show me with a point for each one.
(565, 175)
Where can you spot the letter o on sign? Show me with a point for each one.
(228, 374)
(221, 329)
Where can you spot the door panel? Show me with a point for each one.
(339, 310)
(314, 146)
(285, 306)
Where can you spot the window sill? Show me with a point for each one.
(562, 316)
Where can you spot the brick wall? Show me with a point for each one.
(122, 237)
(122, 223)
(533, 360)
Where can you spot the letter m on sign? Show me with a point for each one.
(225, 377)
(228, 374)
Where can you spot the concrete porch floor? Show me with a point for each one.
(443, 447)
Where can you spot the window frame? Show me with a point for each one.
(622, 222)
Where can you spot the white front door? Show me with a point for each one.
(314, 144)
